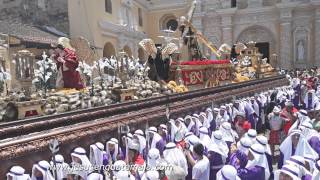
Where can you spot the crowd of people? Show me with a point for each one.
(270, 135)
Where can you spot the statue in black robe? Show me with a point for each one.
(159, 67)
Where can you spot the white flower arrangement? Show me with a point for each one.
(46, 68)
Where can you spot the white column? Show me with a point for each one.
(285, 60)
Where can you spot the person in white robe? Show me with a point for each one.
(17, 173)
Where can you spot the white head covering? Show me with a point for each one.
(264, 142)
(142, 140)
(115, 142)
(164, 128)
(226, 130)
(192, 140)
(311, 161)
(119, 165)
(227, 172)
(17, 173)
(302, 117)
(43, 167)
(62, 167)
(316, 172)
(124, 175)
(209, 115)
(96, 154)
(251, 134)
(300, 163)
(95, 176)
(153, 157)
(260, 159)
(303, 147)
(205, 119)
(151, 175)
(204, 136)
(218, 145)
(307, 129)
(80, 153)
(288, 169)
(244, 144)
(191, 124)
(175, 157)
(156, 137)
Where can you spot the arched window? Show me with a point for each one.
(108, 6)
(168, 22)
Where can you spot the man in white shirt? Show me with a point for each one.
(200, 166)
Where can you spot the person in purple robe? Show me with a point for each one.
(126, 139)
(217, 154)
(190, 124)
(155, 140)
(314, 142)
(295, 144)
(163, 132)
(113, 151)
(213, 123)
(239, 158)
(264, 142)
(257, 167)
(250, 114)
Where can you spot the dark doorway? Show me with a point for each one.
(263, 48)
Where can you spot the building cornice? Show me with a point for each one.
(115, 30)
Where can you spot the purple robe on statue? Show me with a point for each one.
(255, 172)
(238, 159)
(280, 161)
(315, 144)
(216, 163)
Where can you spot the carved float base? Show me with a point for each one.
(29, 108)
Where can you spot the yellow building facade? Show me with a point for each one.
(115, 25)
